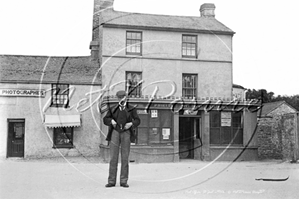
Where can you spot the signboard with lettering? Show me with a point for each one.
(15, 92)
(225, 118)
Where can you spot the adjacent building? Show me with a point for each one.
(278, 131)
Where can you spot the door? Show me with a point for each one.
(190, 138)
(15, 141)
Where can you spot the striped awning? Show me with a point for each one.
(56, 121)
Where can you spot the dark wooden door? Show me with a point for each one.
(15, 141)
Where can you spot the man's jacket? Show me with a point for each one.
(131, 114)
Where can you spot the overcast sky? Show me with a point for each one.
(266, 46)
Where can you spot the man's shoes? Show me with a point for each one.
(109, 185)
(125, 185)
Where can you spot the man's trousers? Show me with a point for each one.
(119, 141)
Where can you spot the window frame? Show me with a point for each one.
(138, 87)
(221, 130)
(194, 89)
(55, 95)
(184, 55)
(130, 39)
(63, 130)
(150, 123)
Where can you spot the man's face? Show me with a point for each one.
(122, 100)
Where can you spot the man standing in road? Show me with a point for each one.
(121, 119)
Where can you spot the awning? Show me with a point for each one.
(55, 121)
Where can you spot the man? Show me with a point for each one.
(121, 120)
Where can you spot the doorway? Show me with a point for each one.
(15, 138)
(189, 137)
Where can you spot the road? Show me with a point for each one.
(84, 178)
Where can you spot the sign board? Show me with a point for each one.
(225, 118)
(141, 112)
(15, 92)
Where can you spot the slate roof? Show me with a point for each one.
(270, 106)
(29, 69)
(165, 22)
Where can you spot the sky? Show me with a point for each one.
(266, 45)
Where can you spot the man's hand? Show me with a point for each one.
(113, 122)
(128, 125)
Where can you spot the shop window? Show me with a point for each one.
(63, 137)
(133, 83)
(189, 85)
(155, 127)
(60, 95)
(226, 127)
(189, 46)
(133, 43)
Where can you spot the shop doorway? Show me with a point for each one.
(15, 138)
(190, 137)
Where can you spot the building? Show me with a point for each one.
(177, 71)
(174, 68)
(278, 131)
(46, 109)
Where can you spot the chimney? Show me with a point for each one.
(106, 4)
(99, 6)
(207, 10)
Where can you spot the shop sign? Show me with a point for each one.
(15, 92)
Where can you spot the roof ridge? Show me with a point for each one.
(44, 56)
(165, 15)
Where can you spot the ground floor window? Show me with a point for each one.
(63, 137)
(155, 127)
(226, 127)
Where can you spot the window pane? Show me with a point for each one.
(63, 137)
(215, 119)
(142, 136)
(189, 45)
(237, 135)
(226, 135)
(133, 42)
(133, 83)
(215, 135)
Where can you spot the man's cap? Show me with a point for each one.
(121, 94)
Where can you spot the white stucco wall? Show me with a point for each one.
(38, 138)
(161, 61)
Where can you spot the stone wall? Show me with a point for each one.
(278, 137)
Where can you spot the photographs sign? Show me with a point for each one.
(14, 92)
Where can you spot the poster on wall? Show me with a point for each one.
(166, 133)
(225, 118)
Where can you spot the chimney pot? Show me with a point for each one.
(207, 10)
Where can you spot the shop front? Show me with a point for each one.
(175, 129)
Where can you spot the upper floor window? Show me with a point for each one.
(133, 83)
(60, 95)
(134, 42)
(189, 46)
(189, 85)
